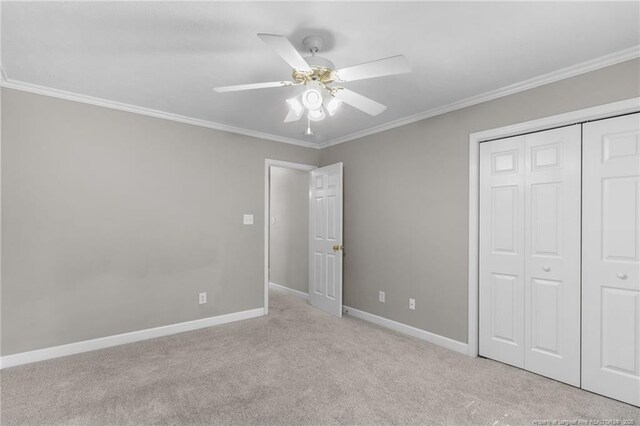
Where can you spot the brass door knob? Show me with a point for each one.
(338, 248)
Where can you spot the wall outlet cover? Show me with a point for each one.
(248, 219)
(202, 298)
(381, 297)
(412, 304)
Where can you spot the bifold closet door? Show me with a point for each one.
(611, 258)
(530, 252)
(501, 292)
(552, 253)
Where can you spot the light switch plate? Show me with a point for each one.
(202, 298)
(248, 219)
(381, 297)
(412, 304)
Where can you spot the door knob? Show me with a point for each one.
(338, 248)
(622, 276)
(546, 268)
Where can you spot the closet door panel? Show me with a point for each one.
(552, 254)
(502, 250)
(611, 258)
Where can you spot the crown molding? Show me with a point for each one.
(91, 100)
(571, 71)
(561, 74)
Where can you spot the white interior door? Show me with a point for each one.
(611, 254)
(502, 250)
(552, 254)
(325, 239)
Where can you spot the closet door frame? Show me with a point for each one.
(594, 113)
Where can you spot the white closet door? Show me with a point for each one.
(530, 252)
(552, 254)
(611, 254)
(502, 250)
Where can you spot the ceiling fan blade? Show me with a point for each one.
(363, 103)
(388, 66)
(283, 47)
(240, 87)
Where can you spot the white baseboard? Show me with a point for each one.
(290, 290)
(120, 339)
(436, 339)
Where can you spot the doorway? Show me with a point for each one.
(323, 234)
(286, 227)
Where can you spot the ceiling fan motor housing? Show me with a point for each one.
(320, 62)
(322, 68)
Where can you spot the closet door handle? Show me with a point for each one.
(622, 276)
(546, 268)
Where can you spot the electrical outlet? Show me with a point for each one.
(412, 304)
(247, 219)
(381, 297)
(202, 298)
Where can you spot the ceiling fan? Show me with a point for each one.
(318, 74)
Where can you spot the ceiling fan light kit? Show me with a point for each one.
(331, 105)
(318, 75)
(316, 115)
(312, 97)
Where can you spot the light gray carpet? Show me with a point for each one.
(296, 366)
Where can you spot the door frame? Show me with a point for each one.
(268, 163)
(574, 117)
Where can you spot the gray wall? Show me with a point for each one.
(114, 222)
(406, 200)
(289, 235)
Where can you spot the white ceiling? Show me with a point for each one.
(168, 56)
